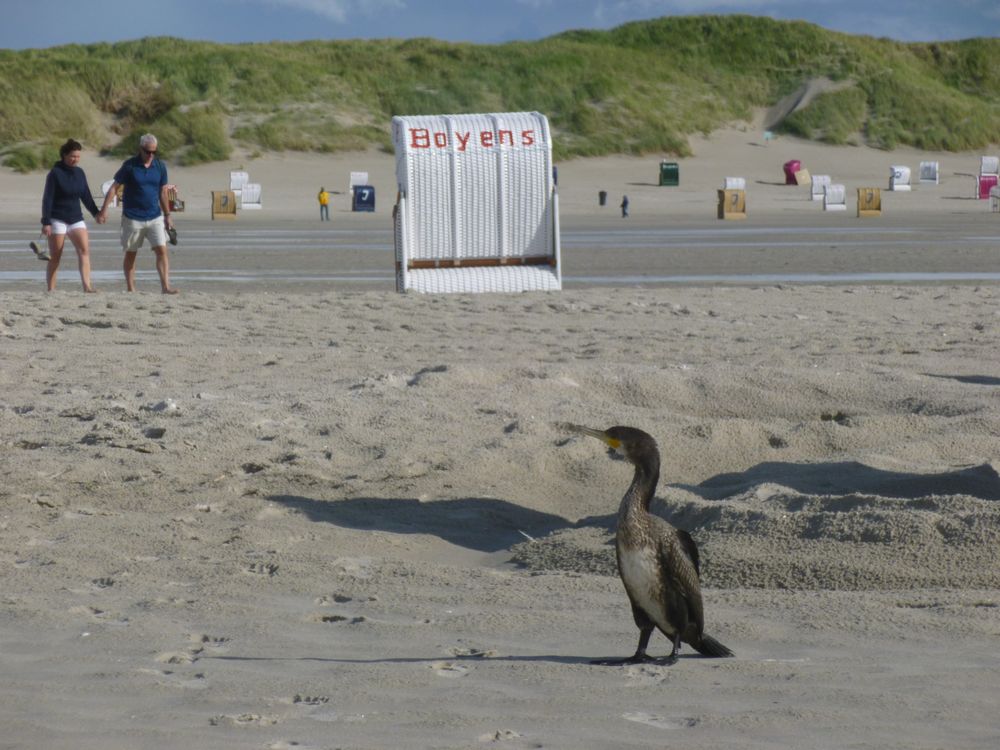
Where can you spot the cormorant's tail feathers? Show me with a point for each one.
(711, 647)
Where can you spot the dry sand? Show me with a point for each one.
(348, 519)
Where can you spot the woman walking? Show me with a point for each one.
(65, 186)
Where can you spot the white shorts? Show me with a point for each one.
(134, 232)
(61, 227)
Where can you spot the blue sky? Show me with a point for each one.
(45, 23)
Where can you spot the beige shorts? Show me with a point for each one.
(134, 233)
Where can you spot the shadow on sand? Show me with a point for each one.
(482, 524)
(851, 477)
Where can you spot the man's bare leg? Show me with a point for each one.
(163, 268)
(128, 265)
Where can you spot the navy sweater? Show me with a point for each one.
(65, 187)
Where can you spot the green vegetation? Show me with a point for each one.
(640, 88)
(832, 117)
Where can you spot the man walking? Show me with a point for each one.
(145, 211)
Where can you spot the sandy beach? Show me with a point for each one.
(293, 513)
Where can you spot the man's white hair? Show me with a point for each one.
(147, 140)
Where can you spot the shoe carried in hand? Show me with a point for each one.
(40, 254)
(172, 233)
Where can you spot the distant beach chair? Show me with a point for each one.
(237, 179)
(989, 165)
(106, 186)
(929, 172)
(985, 184)
(732, 203)
(899, 179)
(818, 188)
(995, 199)
(223, 204)
(791, 167)
(250, 198)
(477, 209)
(835, 198)
(357, 178)
(869, 202)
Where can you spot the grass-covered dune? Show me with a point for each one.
(642, 87)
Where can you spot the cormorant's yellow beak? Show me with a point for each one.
(599, 434)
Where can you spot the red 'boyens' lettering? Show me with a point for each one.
(424, 138)
(420, 138)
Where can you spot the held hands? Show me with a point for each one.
(102, 216)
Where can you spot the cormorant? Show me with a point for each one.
(657, 563)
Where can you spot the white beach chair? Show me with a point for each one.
(477, 209)
(734, 183)
(899, 179)
(237, 179)
(357, 178)
(835, 198)
(819, 183)
(989, 165)
(929, 173)
(251, 196)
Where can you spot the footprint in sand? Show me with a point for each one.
(644, 675)
(651, 720)
(501, 735)
(177, 657)
(310, 700)
(201, 642)
(244, 720)
(263, 569)
(448, 669)
(168, 677)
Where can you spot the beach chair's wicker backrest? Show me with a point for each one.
(818, 189)
(238, 179)
(477, 209)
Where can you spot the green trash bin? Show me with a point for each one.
(670, 173)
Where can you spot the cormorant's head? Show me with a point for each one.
(630, 443)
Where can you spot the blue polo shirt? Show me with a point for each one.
(141, 197)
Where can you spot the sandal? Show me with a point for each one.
(42, 255)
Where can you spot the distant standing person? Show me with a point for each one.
(624, 206)
(145, 210)
(65, 186)
(324, 204)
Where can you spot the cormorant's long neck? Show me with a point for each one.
(640, 492)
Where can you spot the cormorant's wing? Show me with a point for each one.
(687, 542)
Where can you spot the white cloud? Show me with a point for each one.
(337, 11)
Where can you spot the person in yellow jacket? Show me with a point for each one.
(324, 204)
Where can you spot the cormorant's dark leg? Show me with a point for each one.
(638, 657)
(672, 658)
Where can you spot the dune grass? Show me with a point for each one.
(640, 88)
